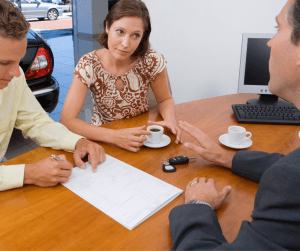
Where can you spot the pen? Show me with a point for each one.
(55, 157)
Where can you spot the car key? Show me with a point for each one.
(167, 167)
(181, 160)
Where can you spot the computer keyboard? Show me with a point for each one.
(266, 114)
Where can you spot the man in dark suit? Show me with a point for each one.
(276, 215)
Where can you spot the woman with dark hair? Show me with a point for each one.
(119, 76)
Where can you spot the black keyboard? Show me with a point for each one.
(267, 114)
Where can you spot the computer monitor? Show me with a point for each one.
(254, 69)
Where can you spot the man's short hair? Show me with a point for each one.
(294, 20)
(13, 24)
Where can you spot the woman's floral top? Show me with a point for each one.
(109, 103)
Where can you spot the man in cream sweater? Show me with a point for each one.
(20, 109)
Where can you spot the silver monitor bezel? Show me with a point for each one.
(255, 89)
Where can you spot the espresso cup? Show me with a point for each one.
(237, 134)
(157, 133)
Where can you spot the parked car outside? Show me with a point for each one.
(40, 10)
(38, 64)
(66, 7)
(53, 1)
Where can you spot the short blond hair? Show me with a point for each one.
(13, 24)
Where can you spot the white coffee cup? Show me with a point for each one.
(157, 133)
(237, 134)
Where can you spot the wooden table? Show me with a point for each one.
(56, 219)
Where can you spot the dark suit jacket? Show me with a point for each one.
(276, 214)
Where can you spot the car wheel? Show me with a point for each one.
(52, 14)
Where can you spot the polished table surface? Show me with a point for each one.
(57, 219)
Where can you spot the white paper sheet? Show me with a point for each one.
(123, 192)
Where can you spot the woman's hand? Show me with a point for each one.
(130, 139)
(171, 125)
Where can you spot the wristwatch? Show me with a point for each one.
(199, 202)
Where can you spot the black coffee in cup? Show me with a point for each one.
(157, 133)
(154, 130)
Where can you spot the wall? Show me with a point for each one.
(201, 41)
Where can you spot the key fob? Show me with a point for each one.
(179, 160)
(167, 167)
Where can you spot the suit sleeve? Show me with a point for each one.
(195, 227)
(276, 218)
(253, 164)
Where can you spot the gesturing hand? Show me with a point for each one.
(48, 172)
(204, 189)
(207, 149)
(171, 126)
(96, 153)
(128, 139)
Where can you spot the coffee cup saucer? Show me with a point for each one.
(225, 141)
(164, 142)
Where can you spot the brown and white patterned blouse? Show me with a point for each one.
(109, 103)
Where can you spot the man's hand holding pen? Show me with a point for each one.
(56, 169)
(48, 172)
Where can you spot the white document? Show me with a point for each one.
(123, 192)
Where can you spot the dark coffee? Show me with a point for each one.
(154, 130)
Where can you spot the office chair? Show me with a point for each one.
(151, 98)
